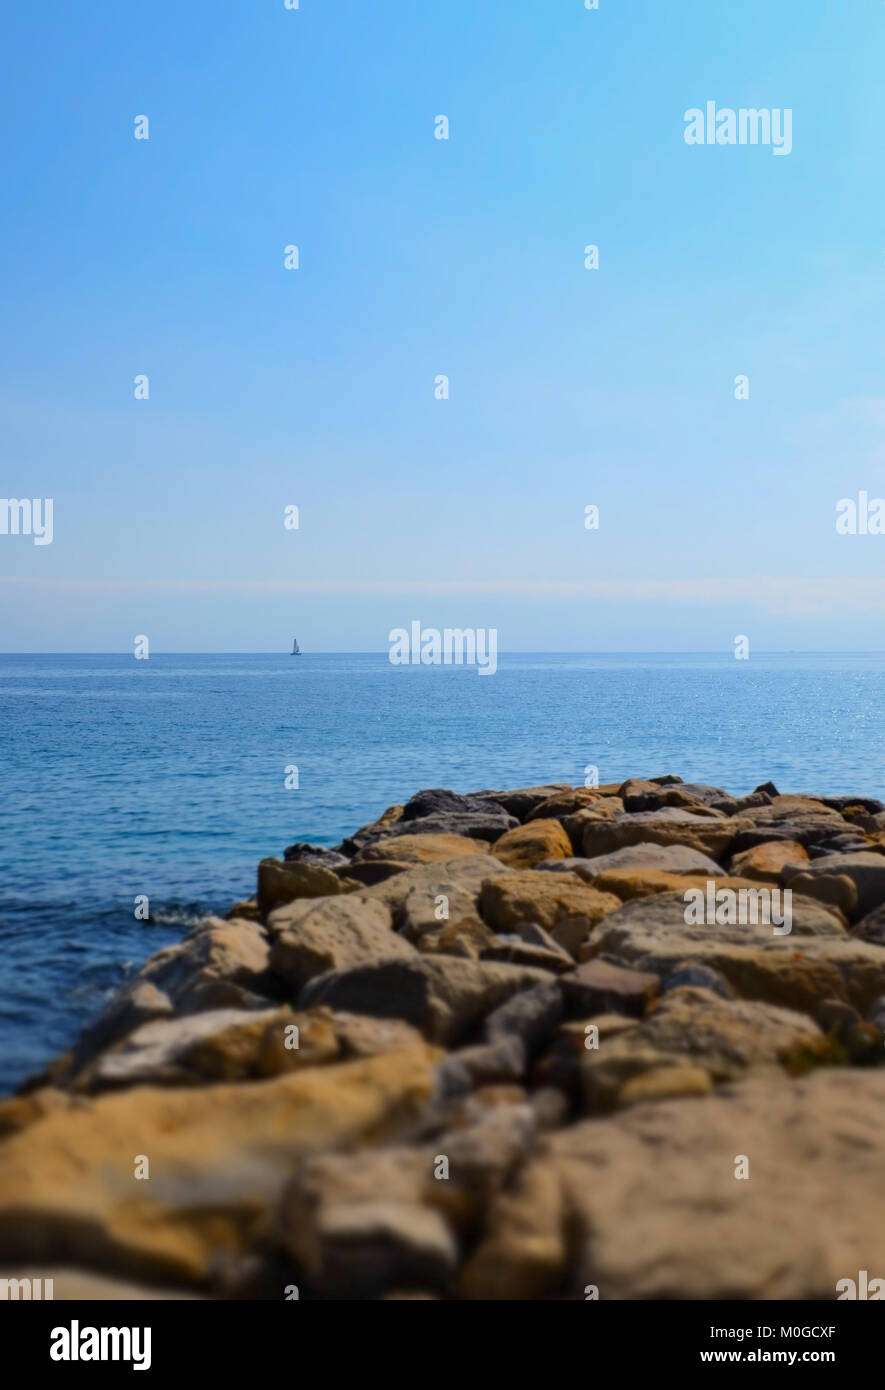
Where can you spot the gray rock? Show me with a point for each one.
(492, 1063)
(532, 1016)
(360, 1224)
(876, 1013)
(599, 987)
(872, 927)
(839, 803)
(867, 871)
(517, 952)
(686, 973)
(835, 1016)
(304, 853)
(522, 801)
(438, 812)
(671, 859)
(444, 996)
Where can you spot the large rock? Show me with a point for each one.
(794, 971)
(528, 844)
(303, 853)
(667, 910)
(566, 802)
(219, 1159)
(668, 859)
(529, 896)
(361, 1225)
(867, 872)
(221, 1045)
(694, 1028)
(436, 812)
(444, 996)
(647, 796)
(521, 802)
(710, 834)
(767, 861)
(643, 883)
(422, 849)
(872, 927)
(652, 1200)
(600, 987)
(434, 897)
(280, 883)
(219, 964)
(309, 938)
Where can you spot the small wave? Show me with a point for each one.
(173, 916)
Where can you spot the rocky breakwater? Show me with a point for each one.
(482, 1051)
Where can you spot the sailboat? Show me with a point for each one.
(296, 650)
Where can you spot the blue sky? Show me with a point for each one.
(418, 257)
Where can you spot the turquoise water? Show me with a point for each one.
(167, 777)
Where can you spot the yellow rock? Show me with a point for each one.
(219, 1157)
(531, 895)
(528, 844)
(764, 862)
(641, 883)
(422, 849)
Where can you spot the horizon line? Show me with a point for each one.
(518, 651)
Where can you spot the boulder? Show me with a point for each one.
(528, 844)
(221, 1045)
(694, 1028)
(280, 883)
(362, 1225)
(219, 964)
(444, 996)
(566, 802)
(422, 849)
(303, 853)
(872, 927)
(528, 896)
(522, 801)
(599, 987)
(650, 934)
(436, 812)
(311, 937)
(531, 1016)
(643, 883)
(646, 796)
(219, 1159)
(765, 862)
(670, 1203)
(867, 872)
(834, 890)
(668, 859)
(434, 897)
(710, 834)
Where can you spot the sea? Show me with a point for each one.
(169, 778)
